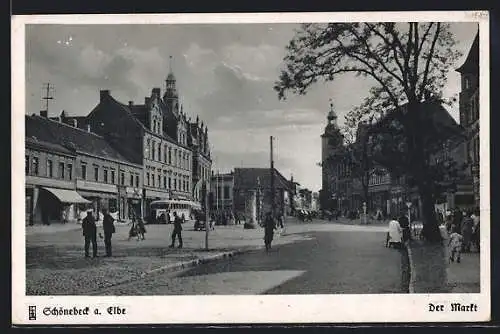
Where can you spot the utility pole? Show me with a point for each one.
(205, 189)
(272, 177)
(47, 89)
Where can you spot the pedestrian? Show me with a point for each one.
(109, 229)
(90, 234)
(405, 226)
(177, 232)
(141, 229)
(455, 245)
(467, 229)
(133, 229)
(269, 228)
(475, 240)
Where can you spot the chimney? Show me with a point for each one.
(130, 103)
(43, 113)
(104, 94)
(88, 127)
(75, 122)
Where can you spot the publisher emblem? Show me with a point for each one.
(32, 312)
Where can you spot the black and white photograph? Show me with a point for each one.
(262, 168)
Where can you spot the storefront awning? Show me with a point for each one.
(67, 196)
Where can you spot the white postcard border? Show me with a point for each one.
(243, 309)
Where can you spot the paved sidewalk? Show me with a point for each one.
(432, 272)
(55, 262)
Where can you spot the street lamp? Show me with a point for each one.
(408, 204)
(364, 213)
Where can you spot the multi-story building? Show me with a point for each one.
(469, 112)
(173, 152)
(222, 189)
(70, 170)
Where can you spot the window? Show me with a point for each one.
(148, 151)
(147, 178)
(159, 151)
(113, 176)
(137, 180)
(169, 182)
(169, 156)
(151, 151)
(84, 171)
(49, 168)
(226, 192)
(131, 179)
(175, 183)
(105, 176)
(159, 181)
(165, 154)
(164, 182)
(70, 171)
(61, 170)
(175, 158)
(96, 173)
(122, 178)
(27, 164)
(34, 169)
(152, 179)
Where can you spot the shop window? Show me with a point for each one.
(70, 172)
(35, 165)
(105, 176)
(49, 168)
(61, 170)
(84, 171)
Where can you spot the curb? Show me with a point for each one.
(413, 274)
(194, 263)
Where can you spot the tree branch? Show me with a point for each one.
(428, 62)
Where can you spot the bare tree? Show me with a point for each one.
(407, 63)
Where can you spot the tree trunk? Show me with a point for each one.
(430, 230)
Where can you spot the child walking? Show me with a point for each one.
(455, 245)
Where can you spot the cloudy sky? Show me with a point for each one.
(225, 74)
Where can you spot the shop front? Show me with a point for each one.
(100, 196)
(134, 202)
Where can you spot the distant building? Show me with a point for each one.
(257, 181)
(469, 112)
(70, 170)
(222, 189)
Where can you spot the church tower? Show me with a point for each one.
(171, 97)
(331, 141)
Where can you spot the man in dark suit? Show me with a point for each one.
(90, 233)
(177, 230)
(109, 229)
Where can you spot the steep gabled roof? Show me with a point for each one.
(471, 64)
(60, 134)
(35, 143)
(246, 178)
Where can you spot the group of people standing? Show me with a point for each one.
(464, 232)
(90, 232)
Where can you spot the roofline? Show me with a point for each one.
(66, 125)
(125, 162)
(48, 150)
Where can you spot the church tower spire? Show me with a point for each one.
(332, 117)
(171, 97)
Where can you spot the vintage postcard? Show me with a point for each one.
(250, 168)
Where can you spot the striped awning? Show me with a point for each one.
(67, 196)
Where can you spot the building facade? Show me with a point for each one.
(222, 190)
(173, 151)
(70, 170)
(256, 183)
(469, 112)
